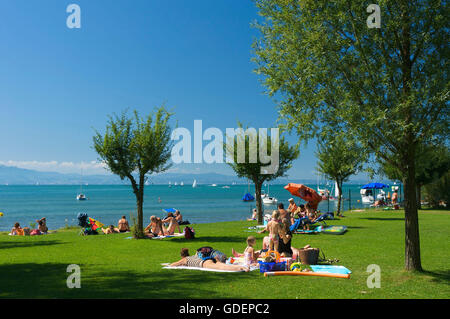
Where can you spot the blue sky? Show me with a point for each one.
(58, 84)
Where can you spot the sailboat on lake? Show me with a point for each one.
(81, 196)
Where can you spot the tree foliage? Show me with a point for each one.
(133, 147)
(254, 169)
(339, 156)
(432, 163)
(389, 86)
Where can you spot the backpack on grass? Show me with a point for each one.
(189, 233)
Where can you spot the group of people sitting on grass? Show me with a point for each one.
(122, 227)
(155, 228)
(157, 225)
(301, 216)
(42, 229)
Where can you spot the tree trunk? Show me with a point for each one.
(339, 186)
(419, 196)
(140, 207)
(138, 191)
(412, 240)
(258, 201)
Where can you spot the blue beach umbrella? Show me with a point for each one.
(375, 185)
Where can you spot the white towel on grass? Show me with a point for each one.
(169, 236)
(166, 266)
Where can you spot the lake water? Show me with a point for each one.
(203, 204)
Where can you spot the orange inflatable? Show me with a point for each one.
(300, 273)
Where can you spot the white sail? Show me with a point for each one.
(182, 184)
(194, 184)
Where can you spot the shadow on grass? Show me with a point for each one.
(209, 239)
(439, 276)
(32, 280)
(24, 244)
(382, 218)
(48, 280)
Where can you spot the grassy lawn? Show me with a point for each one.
(115, 267)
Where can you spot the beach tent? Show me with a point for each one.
(304, 192)
(375, 186)
(248, 197)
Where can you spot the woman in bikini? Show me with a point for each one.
(173, 223)
(155, 228)
(195, 261)
(42, 225)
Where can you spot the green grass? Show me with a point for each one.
(115, 267)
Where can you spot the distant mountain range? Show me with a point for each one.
(10, 175)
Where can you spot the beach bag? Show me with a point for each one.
(309, 256)
(189, 233)
(35, 232)
(265, 266)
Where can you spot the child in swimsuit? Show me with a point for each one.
(250, 256)
(273, 227)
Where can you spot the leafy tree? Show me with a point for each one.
(438, 190)
(339, 157)
(133, 147)
(432, 162)
(388, 85)
(255, 170)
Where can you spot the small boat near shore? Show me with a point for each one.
(81, 197)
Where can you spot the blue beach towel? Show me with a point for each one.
(330, 269)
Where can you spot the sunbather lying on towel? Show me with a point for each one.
(195, 261)
(110, 230)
